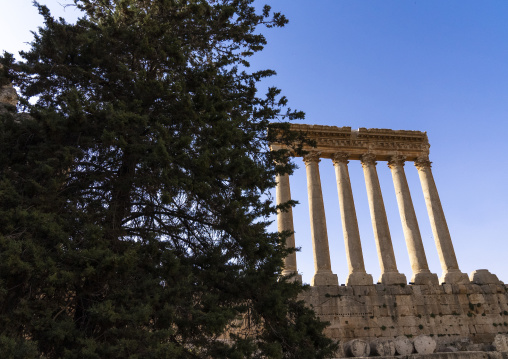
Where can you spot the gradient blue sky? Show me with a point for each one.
(427, 65)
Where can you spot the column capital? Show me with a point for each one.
(422, 162)
(312, 156)
(396, 160)
(368, 159)
(340, 157)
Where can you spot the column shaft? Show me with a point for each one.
(446, 252)
(417, 258)
(357, 274)
(285, 223)
(323, 270)
(388, 264)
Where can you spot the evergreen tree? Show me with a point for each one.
(133, 197)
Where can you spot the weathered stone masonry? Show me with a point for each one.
(453, 307)
(448, 312)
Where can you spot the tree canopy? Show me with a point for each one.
(134, 181)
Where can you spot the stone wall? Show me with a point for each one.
(456, 355)
(449, 313)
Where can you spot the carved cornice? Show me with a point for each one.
(340, 157)
(422, 162)
(397, 160)
(368, 159)
(312, 156)
(383, 143)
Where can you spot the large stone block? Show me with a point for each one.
(375, 332)
(345, 291)
(402, 300)
(463, 299)
(418, 300)
(394, 290)
(407, 331)
(405, 310)
(447, 288)
(409, 321)
(476, 298)
(364, 290)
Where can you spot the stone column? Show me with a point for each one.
(323, 269)
(357, 274)
(451, 271)
(389, 272)
(285, 223)
(417, 258)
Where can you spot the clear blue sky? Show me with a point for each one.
(428, 65)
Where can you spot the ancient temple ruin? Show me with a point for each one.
(368, 146)
(456, 307)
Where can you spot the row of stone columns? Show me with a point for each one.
(357, 274)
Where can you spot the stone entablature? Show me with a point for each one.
(383, 142)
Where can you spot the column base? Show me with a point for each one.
(454, 277)
(425, 278)
(389, 278)
(359, 278)
(483, 276)
(293, 276)
(326, 278)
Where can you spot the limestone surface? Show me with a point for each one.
(483, 276)
(458, 315)
(424, 344)
(382, 347)
(357, 348)
(403, 345)
(8, 95)
(501, 343)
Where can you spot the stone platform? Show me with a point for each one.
(456, 355)
(448, 313)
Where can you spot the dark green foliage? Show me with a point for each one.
(133, 199)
